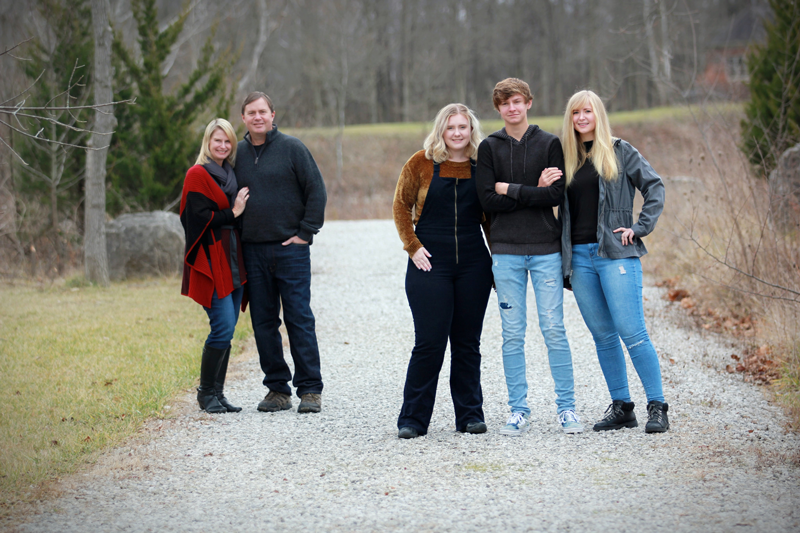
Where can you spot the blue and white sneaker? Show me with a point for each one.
(516, 425)
(570, 422)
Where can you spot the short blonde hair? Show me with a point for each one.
(434, 145)
(205, 153)
(603, 157)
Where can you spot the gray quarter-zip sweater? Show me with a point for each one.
(523, 222)
(287, 193)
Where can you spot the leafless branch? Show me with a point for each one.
(10, 110)
(726, 264)
(7, 50)
(45, 139)
(26, 90)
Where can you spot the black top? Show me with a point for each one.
(287, 194)
(522, 220)
(584, 197)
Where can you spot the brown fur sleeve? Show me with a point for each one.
(409, 197)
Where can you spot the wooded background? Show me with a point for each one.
(331, 63)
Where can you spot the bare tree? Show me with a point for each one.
(94, 238)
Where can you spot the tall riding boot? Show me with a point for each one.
(209, 367)
(220, 384)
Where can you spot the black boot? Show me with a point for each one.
(209, 366)
(220, 384)
(657, 420)
(618, 415)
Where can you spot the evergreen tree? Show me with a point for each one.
(59, 72)
(157, 138)
(772, 122)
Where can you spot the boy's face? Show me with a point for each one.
(514, 110)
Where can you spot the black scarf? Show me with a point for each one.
(225, 177)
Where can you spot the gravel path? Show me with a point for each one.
(726, 464)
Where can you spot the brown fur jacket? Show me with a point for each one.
(412, 188)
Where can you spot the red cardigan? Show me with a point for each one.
(206, 266)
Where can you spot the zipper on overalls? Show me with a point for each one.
(456, 210)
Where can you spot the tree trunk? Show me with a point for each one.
(94, 238)
(342, 106)
(652, 48)
(53, 182)
(666, 49)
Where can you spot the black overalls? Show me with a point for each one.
(449, 301)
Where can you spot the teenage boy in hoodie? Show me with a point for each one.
(526, 240)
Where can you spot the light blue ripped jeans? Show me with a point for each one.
(609, 295)
(511, 278)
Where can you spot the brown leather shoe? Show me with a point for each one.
(310, 403)
(275, 401)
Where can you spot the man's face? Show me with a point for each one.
(514, 110)
(258, 117)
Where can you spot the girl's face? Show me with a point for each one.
(583, 121)
(219, 146)
(457, 134)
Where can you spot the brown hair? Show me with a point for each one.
(252, 97)
(509, 87)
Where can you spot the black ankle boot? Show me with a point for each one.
(209, 367)
(657, 420)
(219, 385)
(618, 415)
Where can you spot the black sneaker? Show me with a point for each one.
(275, 401)
(618, 415)
(657, 420)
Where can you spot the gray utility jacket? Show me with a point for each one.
(616, 208)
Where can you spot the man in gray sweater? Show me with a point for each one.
(285, 210)
(526, 241)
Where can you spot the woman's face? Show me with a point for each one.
(457, 134)
(583, 121)
(219, 146)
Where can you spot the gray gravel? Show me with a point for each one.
(727, 463)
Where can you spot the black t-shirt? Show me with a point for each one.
(583, 195)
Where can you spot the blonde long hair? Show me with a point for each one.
(205, 154)
(435, 147)
(603, 157)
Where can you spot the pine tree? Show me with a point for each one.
(772, 122)
(158, 138)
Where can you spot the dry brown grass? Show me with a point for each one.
(721, 241)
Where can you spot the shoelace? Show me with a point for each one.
(612, 413)
(515, 419)
(568, 416)
(655, 414)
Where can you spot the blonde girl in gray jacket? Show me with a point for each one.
(601, 247)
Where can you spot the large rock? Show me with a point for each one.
(784, 184)
(144, 244)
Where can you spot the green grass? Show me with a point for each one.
(83, 367)
(548, 123)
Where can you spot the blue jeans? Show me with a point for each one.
(222, 317)
(282, 274)
(609, 295)
(511, 278)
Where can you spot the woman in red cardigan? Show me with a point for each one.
(213, 269)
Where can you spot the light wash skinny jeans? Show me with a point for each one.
(511, 278)
(609, 295)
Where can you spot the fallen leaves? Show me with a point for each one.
(708, 319)
(756, 365)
